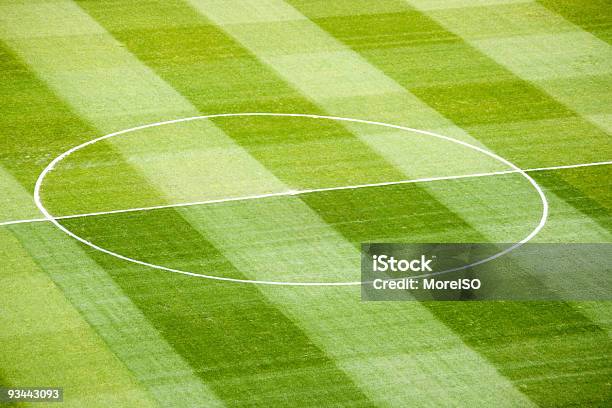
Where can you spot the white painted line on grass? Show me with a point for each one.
(515, 169)
(299, 192)
(53, 219)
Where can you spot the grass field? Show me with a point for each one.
(530, 81)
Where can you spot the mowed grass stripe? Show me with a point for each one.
(249, 261)
(14, 206)
(593, 16)
(324, 70)
(385, 24)
(586, 190)
(45, 336)
(25, 106)
(199, 61)
(170, 103)
(569, 64)
(596, 182)
(240, 345)
(593, 200)
(406, 51)
(506, 333)
(310, 82)
(45, 340)
(128, 334)
(392, 346)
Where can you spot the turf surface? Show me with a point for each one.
(531, 83)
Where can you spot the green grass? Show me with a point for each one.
(231, 336)
(593, 16)
(532, 88)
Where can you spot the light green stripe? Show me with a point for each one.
(336, 78)
(44, 337)
(45, 341)
(148, 360)
(604, 121)
(255, 11)
(559, 57)
(15, 203)
(332, 241)
(553, 56)
(386, 348)
(91, 71)
(328, 77)
(44, 60)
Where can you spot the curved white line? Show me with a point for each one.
(54, 162)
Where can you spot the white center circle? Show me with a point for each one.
(58, 159)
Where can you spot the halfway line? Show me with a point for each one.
(299, 192)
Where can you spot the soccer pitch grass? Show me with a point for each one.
(529, 81)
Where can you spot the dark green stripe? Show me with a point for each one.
(217, 75)
(242, 347)
(587, 191)
(469, 88)
(594, 182)
(197, 59)
(594, 16)
(540, 346)
(35, 125)
(228, 333)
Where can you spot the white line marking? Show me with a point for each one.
(54, 162)
(299, 192)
